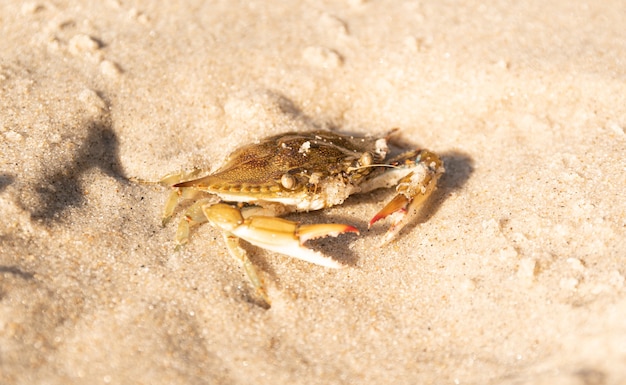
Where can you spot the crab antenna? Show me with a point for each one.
(372, 165)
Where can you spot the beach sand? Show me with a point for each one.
(514, 274)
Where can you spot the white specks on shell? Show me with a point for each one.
(304, 148)
(381, 148)
(315, 178)
(335, 191)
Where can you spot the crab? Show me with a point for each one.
(296, 172)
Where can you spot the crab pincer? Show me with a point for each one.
(413, 190)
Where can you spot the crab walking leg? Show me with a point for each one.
(194, 215)
(172, 201)
(276, 234)
(232, 242)
(170, 205)
(413, 190)
(177, 193)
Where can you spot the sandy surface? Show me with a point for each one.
(514, 276)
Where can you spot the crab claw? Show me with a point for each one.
(276, 234)
(413, 190)
(287, 237)
(396, 205)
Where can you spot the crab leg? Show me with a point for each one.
(177, 193)
(413, 190)
(172, 202)
(276, 234)
(232, 242)
(194, 215)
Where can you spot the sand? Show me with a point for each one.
(514, 274)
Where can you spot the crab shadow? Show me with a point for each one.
(459, 168)
(60, 187)
(16, 271)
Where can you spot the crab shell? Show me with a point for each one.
(303, 171)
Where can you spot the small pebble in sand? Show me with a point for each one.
(83, 44)
(110, 69)
(92, 101)
(322, 57)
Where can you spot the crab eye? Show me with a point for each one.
(288, 181)
(366, 159)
